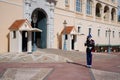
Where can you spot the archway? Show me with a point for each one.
(41, 23)
(98, 10)
(113, 13)
(106, 13)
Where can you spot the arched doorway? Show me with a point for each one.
(40, 38)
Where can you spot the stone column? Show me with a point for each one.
(84, 8)
(29, 43)
(116, 16)
(110, 14)
(102, 13)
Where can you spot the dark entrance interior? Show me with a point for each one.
(73, 42)
(24, 40)
(40, 37)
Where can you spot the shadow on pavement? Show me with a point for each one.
(76, 64)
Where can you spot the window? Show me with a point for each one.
(98, 9)
(112, 16)
(79, 5)
(89, 7)
(106, 33)
(113, 12)
(75, 38)
(98, 32)
(113, 34)
(89, 30)
(14, 34)
(66, 37)
(79, 29)
(66, 2)
(106, 13)
(113, 1)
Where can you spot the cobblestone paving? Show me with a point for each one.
(105, 75)
(38, 57)
(25, 73)
(64, 65)
(78, 56)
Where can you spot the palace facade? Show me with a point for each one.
(64, 24)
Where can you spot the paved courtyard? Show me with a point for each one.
(51, 64)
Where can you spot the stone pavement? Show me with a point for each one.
(35, 57)
(51, 64)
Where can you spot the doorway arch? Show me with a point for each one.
(41, 23)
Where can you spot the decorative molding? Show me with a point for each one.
(82, 18)
(48, 7)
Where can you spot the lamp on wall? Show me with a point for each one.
(34, 22)
(64, 23)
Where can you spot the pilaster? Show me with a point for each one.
(102, 12)
(116, 16)
(94, 9)
(110, 8)
(52, 25)
(48, 33)
(84, 8)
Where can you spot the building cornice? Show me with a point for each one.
(109, 4)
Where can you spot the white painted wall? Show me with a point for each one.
(15, 43)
